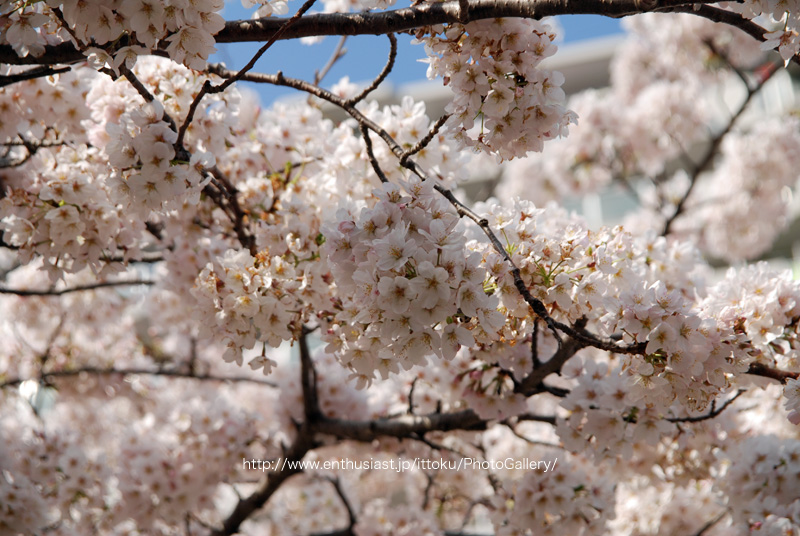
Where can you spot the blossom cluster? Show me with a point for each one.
(782, 18)
(760, 166)
(127, 410)
(114, 33)
(761, 481)
(88, 200)
(250, 299)
(409, 285)
(658, 62)
(691, 347)
(157, 467)
(503, 102)
(565, 500)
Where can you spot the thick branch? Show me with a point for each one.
(757, 369)
(403, 426)
(530, 384)
(405, 19)
(32, 74)
(290, 463)
(248, 505)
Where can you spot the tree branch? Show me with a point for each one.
(383, 74)
(290, 463)
(209, 89)
(402, 426)
(79, 288)
(338, 53)
(371, 154)
(716, 142)
(410, 18)
(713, 412)
(759, 369)
(31, 74)
(421, 144)
(351, 516)
(45, 376)
(308, 379)
(273, 481)
(531, 383)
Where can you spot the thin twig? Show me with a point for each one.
(714, 146)
(421, 144)
(381, 77)
(411, 397)
(536, 442)
(351, 515)
(79, 288)
(713, 412)
(338, 53)
(705, 528)
(237, 215)
(96, 371)
(211, 89)
(371, 155)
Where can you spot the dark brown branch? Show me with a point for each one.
(351, 515)
(338, 53)
(46, 376)
(411, 396)
(402, 427)
(229, 198)
(274, 479)
(209, 89)
(531, 383)
(371, 154)
(535, 345)
(705, 164)
(31, 74)
(758, 369)
(308, 379)
(31, 149)
(291, 458)
(559, 392)
(549, 419)
(705, 528)
(723, 16)
(421, 144)
(79, 288)
(383, 74)
(405, 19)
(530, 441)
(147, 96)
(713, 412)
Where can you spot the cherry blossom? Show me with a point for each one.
(219, 316)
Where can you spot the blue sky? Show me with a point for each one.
(366, 55)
